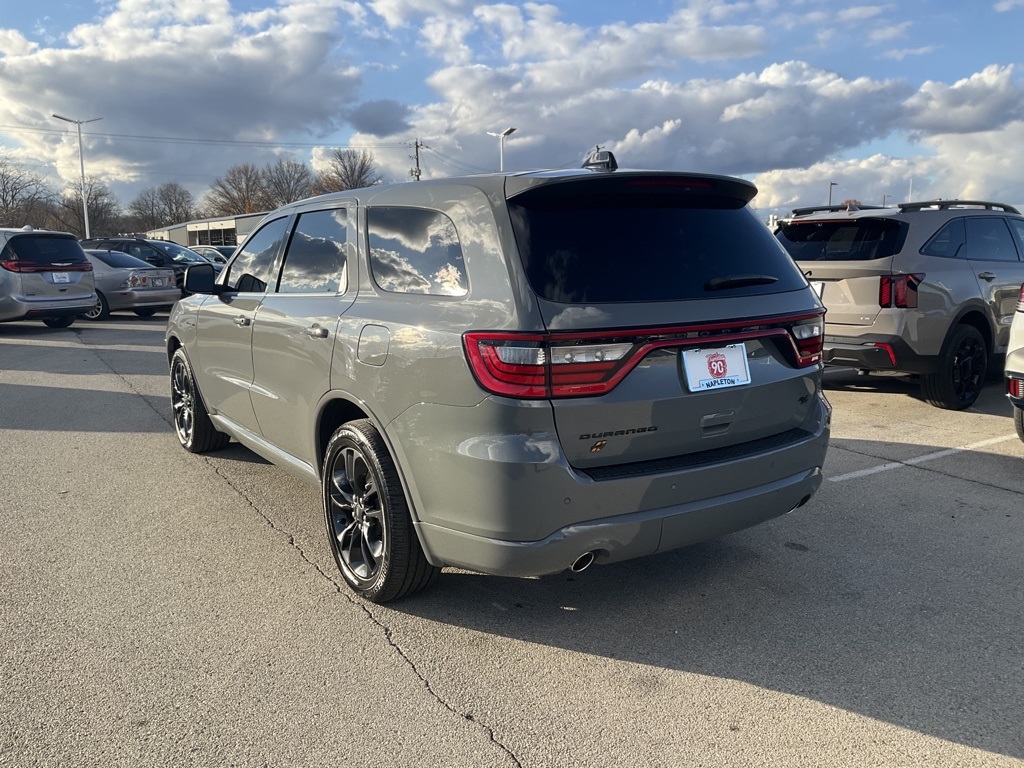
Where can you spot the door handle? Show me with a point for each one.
(241, 321)
(990, 276)
(316, 332)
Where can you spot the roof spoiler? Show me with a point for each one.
(945, 205)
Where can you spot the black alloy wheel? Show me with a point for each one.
(368, 522)
(192, 424)
(960, 375)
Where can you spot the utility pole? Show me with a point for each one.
(415, 172)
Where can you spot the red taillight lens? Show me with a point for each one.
(13, 265)
(899, 291)
(1020, 300)
(1015, 387)
(528, 365)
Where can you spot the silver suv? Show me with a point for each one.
(1015, 365)
(514, 374)
(44, 275)
(925, 288)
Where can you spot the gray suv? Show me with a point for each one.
(925, 288)
(515, 374)
(44, 275)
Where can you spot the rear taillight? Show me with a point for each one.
(1015, 387)
(899, 291)
(13, 265)
(1020, 300)
(557, 365)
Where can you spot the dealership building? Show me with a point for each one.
(223, 230)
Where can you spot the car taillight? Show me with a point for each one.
(13, 265)
(529, 365)
(1015, 387)
(1020, 300)
(899, 291)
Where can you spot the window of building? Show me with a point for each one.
(415, 251)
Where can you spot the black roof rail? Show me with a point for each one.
(945, 205)
(833, 209)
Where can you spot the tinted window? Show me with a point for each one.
(119, 260)
(177, 252)
(859, 240)
(42, 251)
(252, 268)
(316, 258)
(1017, 227)
(988, 239)
(621, 247)
(415, 251)
(947, 241)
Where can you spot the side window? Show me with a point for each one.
(252, 268)
(947, 241)
(415, 251)
(316, 258)
(1017, 227)
(989, 239)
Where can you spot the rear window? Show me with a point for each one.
(622, 247)
(43, 251)
(120, 260)
(858, 240)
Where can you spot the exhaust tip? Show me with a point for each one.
(583, 562)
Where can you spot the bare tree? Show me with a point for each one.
(144, 212)
(287, 181)
(177, 203)
(24, 196)
(347, 169)
(238, 191)
(105, 217)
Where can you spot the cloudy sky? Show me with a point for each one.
(922, 97)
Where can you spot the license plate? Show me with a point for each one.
(61, 277)
(158, 282)
(818, 287)
(716, 368)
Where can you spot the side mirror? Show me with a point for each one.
(199, 279)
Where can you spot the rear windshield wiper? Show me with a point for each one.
(738, 281)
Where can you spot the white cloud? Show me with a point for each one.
(1008, 5)
(986, 100)
(13, 43)
(901, 54)
(885, 34)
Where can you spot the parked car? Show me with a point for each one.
(44, 275)
(925, 288)
(158, 253)
(124, 282)
(218, 254)
(515, 374)
(1015, 365)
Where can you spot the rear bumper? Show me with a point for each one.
(1015, 370)
(142, 299)
(494, 493)
(874, 353)
(15, 308)
(621, 537)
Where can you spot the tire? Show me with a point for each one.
(368, 522)
(101, 311)
(145, 312)
(1018, 421)
(59, 322)
(957, 380)
(192, 424)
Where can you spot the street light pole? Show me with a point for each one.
(501, 145)
(81, 164)
(830, 185)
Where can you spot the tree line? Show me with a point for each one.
(27, 199)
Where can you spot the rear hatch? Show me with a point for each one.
(844, 260)
(672, 317)
(49, 267)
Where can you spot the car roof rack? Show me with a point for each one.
(945, 205)
(833, 209)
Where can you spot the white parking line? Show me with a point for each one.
(920, 459)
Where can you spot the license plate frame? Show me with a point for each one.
(61, 278)
(709, 368)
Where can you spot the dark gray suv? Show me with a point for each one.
(514, 374)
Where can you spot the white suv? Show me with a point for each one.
(1015, 365)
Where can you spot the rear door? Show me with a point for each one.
(50, 269)
(295, 328)
(671, 310)
(844, 261)
(991, 251)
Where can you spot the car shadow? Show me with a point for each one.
(901, 609)
(27, 357)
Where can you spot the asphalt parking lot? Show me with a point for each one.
(160, 608)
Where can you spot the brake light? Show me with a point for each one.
(899, 291)
(13, 265)
(529, 365)
(1020, 300)
(1015, 387)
